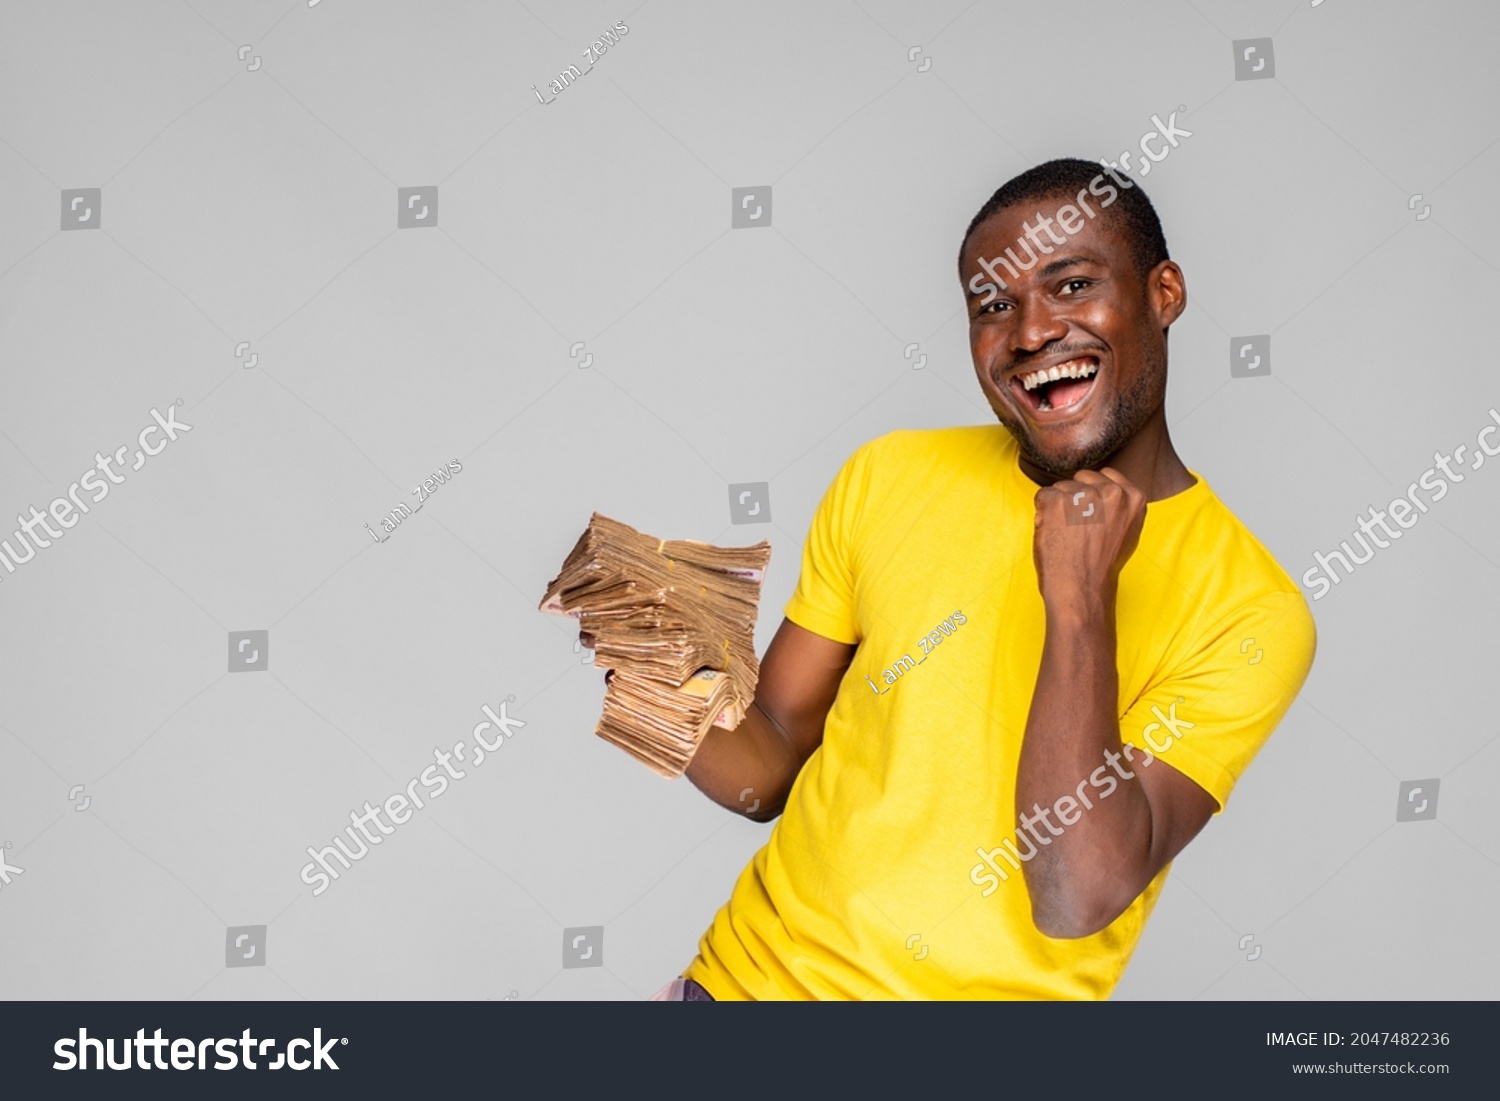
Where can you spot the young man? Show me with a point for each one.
(1023, 664)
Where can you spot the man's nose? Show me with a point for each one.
(1037, 325)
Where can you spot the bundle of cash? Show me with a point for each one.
(674, 620)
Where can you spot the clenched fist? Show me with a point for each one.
(1087, 527)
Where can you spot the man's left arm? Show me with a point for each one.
(1106, 816)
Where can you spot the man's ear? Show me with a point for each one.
(1166, 290)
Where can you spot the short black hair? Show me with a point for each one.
(1133, 214)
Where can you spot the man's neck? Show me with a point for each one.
(1148, 460)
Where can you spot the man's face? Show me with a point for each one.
(1081, 307)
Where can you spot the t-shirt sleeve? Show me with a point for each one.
(823, 601)
(1210, 716)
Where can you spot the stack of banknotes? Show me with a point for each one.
(675, 622)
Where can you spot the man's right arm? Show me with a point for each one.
(799, 678)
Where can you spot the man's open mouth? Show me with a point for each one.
(1049, 389)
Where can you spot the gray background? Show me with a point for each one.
(259, 206)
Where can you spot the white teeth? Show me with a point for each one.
(1052, 374)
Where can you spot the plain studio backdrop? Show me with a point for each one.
(355, 244)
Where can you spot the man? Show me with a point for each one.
(1023, 664)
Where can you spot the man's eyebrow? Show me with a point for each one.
(1061, 264)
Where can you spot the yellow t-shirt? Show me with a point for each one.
(874, 882)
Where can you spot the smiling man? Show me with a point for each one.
(1024, 663)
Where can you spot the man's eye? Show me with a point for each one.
(995, 306)
(1077, 282)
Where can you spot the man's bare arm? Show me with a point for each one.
(1086, 873)
(799, 678)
